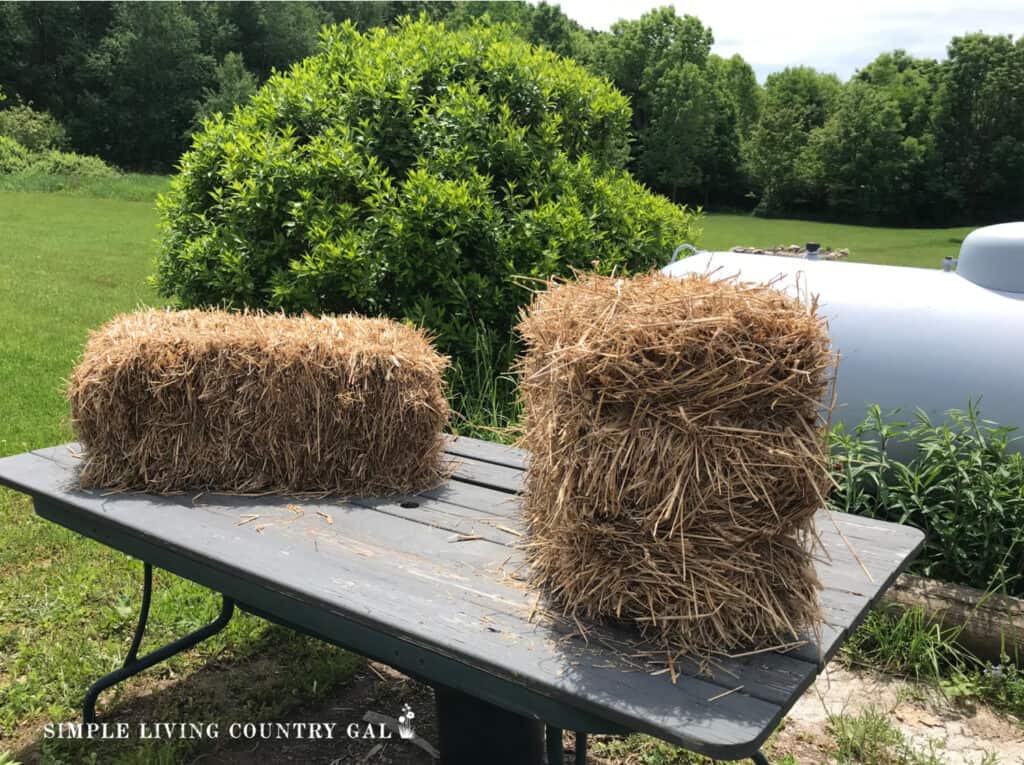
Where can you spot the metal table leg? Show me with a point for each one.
(134, 665)
(556, 753)
(471, 732)
(581, 749)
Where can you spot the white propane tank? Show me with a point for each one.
(912, 338)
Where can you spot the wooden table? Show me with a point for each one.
(434, 585)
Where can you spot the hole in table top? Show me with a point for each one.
(409, 504)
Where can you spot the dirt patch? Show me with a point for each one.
(377, 688)
(963, 733)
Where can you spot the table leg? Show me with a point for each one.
(134, 665)
(471, 732)
(581, 749)
(556, 752)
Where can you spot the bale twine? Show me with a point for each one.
(678, 455)
(166, 401)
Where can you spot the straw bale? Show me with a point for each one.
(165, 401)
(678, 455)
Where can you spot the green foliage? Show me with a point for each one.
(906, 641)
(962, 487)
(150, 51)
(233, 86)
(979, 126)
(14, 157)
(414, 173)
(36, 131)
(483, 393)
(796, 101)
(691, 146)
(861, 159)
(687, 105)
(868, 738)
(1001, 685)
(953, 155)
(740, 84)
(271, 35)
(909, 81)
(64, 163)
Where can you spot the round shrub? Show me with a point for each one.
(14, 157)
(36, 131)
(414, 173)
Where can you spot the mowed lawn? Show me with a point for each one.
(68, 263)
(922, 248)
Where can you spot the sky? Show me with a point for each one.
(832, 37)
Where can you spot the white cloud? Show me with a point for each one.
(833, 37)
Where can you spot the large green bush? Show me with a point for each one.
(962, 486)
(414, 173)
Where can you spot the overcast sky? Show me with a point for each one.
(832, 37)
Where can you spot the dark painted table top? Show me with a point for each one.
(435, 585)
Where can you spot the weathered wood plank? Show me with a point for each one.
(488, 474)
(487, 451)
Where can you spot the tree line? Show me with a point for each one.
(906, 140)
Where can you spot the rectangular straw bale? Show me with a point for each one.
(166, 401)
(678, 455)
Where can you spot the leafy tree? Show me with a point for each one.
(638, 54)
(797, 100)
(552, 28)
(43, 47)
(691, 146)
(273, 35)
(142, 81)
(910, 81)
(862, 160)
(739, 82)
(979, 126)
(688, 106)
(413, 173)
(233, 86)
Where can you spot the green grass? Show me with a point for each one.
(869, 738)
(922, 248)
(69, 263)
(128, 187)
(905, 642)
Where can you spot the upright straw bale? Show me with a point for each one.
(678, 455)
(166, 401)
